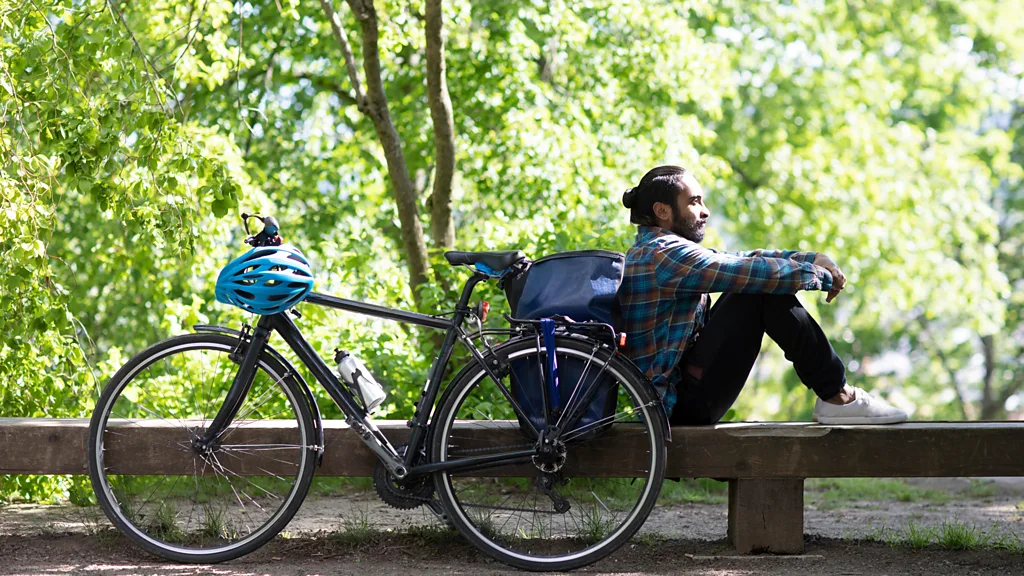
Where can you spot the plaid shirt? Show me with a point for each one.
(664, 294)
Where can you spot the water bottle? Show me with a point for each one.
(355, 374)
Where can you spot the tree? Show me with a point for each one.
(885, 133)
(90, 143)
(877, 135)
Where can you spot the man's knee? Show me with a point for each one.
(754, 299)
(781, 300)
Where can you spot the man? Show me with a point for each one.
(699, 358)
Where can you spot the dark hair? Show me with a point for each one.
(662, 184)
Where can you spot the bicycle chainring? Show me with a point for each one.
(401, 494)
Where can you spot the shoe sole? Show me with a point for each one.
(838, 421)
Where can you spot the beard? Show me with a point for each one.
(692, 230)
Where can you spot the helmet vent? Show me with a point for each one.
(266, 280)
(258, 254)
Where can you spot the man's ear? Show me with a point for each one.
(662, 211)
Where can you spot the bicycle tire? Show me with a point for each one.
(208, 518)
(484, 532)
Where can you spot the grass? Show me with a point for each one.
(830, 493)
(979, 488)
(214, 523)
(650, 539)
(165, 524)
(339, 486)
(593, 526)
(693, 491)
(356, 529)
(949, 535)
(957, 535)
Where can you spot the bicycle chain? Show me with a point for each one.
(431, 501)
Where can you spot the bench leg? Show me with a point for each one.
(767, 515)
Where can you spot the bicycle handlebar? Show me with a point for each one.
(269, 236)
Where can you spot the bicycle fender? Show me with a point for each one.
(661, 405)
(314, 408)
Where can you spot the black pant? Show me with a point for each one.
(729, 343)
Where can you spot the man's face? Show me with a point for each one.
(689, 216)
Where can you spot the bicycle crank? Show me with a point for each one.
(404, 494)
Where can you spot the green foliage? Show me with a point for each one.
(887, 134)
(839, 492)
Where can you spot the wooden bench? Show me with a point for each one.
(765, 463)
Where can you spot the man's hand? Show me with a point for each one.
(838, 278)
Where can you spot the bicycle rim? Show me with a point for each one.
(526, 515)
(183, 502)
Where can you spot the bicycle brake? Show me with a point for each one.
(244, 337)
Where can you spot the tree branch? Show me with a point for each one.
(145, 57)
(753, 184)
(1012, 388)
(441, 225)
(346, 50)
(966, 408)
(327, 85)
(375, 106)
(988, 406)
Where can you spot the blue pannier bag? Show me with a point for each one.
(582, 286)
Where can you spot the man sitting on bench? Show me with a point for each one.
(699, 358)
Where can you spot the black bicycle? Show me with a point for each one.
(203, 446)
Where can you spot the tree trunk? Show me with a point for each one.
(990, 405)
(441, 224)
(376, 107)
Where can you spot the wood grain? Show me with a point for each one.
(735, 450)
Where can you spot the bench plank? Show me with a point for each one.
(733, 450)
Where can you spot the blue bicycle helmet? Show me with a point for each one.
(266, 280)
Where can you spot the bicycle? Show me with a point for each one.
(203, 446)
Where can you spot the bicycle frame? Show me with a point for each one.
(399, 465)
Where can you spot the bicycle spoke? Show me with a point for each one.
(537, 514)
(217, 506)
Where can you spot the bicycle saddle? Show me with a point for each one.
(493, 260)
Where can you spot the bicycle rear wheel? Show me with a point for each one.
(565, 511)
(187, 503)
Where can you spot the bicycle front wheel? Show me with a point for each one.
(185, 502)
(582, 500)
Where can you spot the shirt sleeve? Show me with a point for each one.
(692, 268)
(789, 254)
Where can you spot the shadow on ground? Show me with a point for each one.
(112, 555)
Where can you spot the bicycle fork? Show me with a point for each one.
(252, 346)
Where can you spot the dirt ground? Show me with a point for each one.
(677, 539)
(92, 555)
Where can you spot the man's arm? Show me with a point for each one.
(789, 254)
(688, 267)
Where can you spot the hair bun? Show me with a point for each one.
(629, 198)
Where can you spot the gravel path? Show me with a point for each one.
(677, 539)
(857, 520)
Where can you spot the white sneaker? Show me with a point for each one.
(865, 409)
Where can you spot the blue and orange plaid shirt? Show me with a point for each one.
(664, 294)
